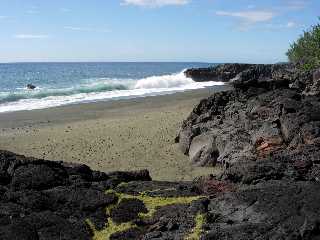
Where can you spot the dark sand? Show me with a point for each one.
(115, 135)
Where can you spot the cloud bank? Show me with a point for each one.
(249, 16)
(31, 36)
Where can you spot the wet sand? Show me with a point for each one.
(124, 135)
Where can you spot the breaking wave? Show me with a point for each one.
(97, 90)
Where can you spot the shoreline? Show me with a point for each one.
(128, 134)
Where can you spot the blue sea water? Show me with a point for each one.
(68, 83)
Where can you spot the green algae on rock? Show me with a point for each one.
(200, 220)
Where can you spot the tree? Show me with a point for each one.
(305, 52)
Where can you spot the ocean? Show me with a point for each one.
(60, 84)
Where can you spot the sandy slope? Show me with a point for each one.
(117, 135)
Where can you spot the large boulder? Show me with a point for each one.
(39, 176)
(128, 210)
(203, 150)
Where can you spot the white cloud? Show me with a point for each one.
(87, 29)
(287, 25)
(291, 24)
(249, 17)
(31, 36)
(154, 3)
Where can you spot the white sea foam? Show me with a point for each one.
(165, 81)
(99, 90)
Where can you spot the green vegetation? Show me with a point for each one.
(110, 229)
(152, 204)
(197, 230)
(305, 52)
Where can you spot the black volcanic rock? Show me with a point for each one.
(31, 86)
(270, 210)
(314, 87)
(55, 200)
(38, 176)
(262, 116)
(265, 76)
(20, 229)
(266, 135)
(220, 73)
(127, 210)
(278, 199)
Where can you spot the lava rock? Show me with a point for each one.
(314, 87)
(269, 210)
(19, 229)
(243, 125)
(31, 86)
(127, 210)
(141, 175)
(39, 176)
(220, 73)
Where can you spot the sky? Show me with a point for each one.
(215, 31)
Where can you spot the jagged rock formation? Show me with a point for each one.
(220, 73)
(49, 200)
(54, 200)
(265, 114)
(266, 135)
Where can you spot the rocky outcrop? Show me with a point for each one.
(263, 115)
(74, 202)
(313, 87)
(47, 200)
(266, 135)
(268, 210)
(269, 76)
(220, 73)
(31, 86)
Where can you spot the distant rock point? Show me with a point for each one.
(31, 86)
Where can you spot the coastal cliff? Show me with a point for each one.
(265, 133)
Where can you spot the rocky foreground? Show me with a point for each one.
(266, 135)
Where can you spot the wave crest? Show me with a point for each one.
(40, 93)
(164, 81)
(98, 90)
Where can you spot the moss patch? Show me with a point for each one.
(152, 204)
(197, 230)
(110, 229)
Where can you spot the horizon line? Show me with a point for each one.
(13, 62)
(204, 62)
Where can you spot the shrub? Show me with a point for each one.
(305, 52)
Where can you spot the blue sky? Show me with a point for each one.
(152, 30)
